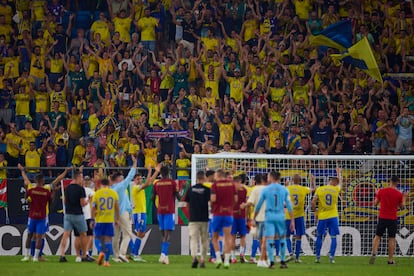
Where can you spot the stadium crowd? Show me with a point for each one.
(85, 82)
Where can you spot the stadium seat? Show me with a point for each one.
(83, 20)
(65, 20)
(2, 148)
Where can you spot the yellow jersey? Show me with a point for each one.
(102, 28)
(78, 155)
(37, 66)
(150, 157)
(12, 144)
(42, 101)
(226, 133)
(147, 25)
(122, 25)
(236, 88)
(327, 201)
(139, 200)
(32, 159)
(181, 165)
(27, 137)
(58, 97)
(133, 149)
(277, 94)
(104, 201)
(3, 172)
(298, 195)
(22, 104)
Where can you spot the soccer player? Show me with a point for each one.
(31, 242)
(390, 199)
(223, 198)
(298, 195)
(326, 198)
(105, 213)
(120, 185)
(260, 183)
(166, 189)
(139, 209)
(276, 197)
(198, 197)
(38, 198)
(239, 219)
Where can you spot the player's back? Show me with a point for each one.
(390, 200)
(327, 201)
(275, 196)
(39, 199)
(166, 189)
(224, 191)
(104, 201)
(298, 195)
(241, 198)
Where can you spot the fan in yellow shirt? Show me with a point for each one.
(101, 27)
(3, 164)
(236, 84)
(183, 163)
(226, 128)
(122, 23)
(147, 26)
(150, 154)
(79, 153)
(28, 135)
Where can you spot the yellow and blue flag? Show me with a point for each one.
(360, 56)
(337, 35)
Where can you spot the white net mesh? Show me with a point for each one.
(362, 176)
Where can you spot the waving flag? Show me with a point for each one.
(3, 193)
(360, 55)
(337, 35)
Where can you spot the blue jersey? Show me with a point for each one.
(277, 198)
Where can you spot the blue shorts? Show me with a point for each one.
(140, 222)
(331, 224)
(166, 222)
(71, 222)
(299, 227)
(239, 227)
(104, 229)
(379, 143)
(210, 229)
(37, 226)
(220, 222)
(274, 227)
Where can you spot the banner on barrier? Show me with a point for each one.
(351, 241)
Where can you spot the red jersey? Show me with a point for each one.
(224, 191)
(165, 189)
(241, 198)
(38, 200)
(390, 200)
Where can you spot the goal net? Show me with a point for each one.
(362, 177)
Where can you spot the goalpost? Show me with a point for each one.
(362, 176)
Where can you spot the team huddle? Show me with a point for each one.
(220, 204)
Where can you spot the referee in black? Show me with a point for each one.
(198, 197)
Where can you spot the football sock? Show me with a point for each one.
(298, 248)
(270, 250)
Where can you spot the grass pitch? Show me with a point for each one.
(181, 265)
